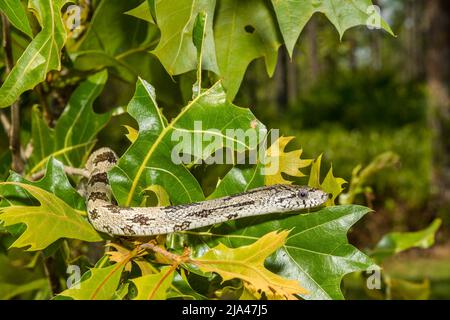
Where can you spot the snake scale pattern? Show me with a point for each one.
(145, 221)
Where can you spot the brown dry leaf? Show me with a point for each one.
(120, 255)
(280, 161)
(247, 263)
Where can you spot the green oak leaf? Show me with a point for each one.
(126, 54)
(150, 158)
(181, 289)
(294, 14)
(97, 284)
(76, 129)
(17, 15)
(145, 11)
(316, 252)
(55, 181)
(396, 242)
(176, 50)
(105, 43)
(244, 31)
(240, 178)
(43, 138)
(198, 38)
(154, 286)
(42, 55)
(79, 123)
(53, 219)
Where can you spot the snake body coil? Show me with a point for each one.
(146, 221)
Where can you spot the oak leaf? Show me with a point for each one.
(51, 220)
(247, 263)
(289, 163)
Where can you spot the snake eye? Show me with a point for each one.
(302, 194)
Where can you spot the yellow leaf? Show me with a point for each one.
(154, 286)
(132, 133)
(119, 255)
(330, 184)
(145, 266)
(101, 285)
(162, 198)
(123, 253)
(280, 162)
(247, 263)
(53, 219)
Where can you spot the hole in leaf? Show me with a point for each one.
(249, 28)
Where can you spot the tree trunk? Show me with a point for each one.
(313, 50)
(437, 65)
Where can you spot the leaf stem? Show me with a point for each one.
(69, 170)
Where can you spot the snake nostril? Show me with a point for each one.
(330, 195)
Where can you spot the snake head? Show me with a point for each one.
(301, 197)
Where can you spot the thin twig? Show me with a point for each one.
(14, 132)
(69, 170)
(27, 151)
(177, 259)
(5, 122)
(50, 273)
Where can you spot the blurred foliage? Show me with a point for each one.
(362, 100)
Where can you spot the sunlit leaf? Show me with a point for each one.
(247, 263)
(330, 183)
(79, 123)
(294, 14)
(198, 38)
(43, 137)
(154, 286)
(101, 284)
(316, 252)
(162, 198)
(54, 181)
(248, 30)
(51, 220)
(289, 163)
(143, 11)
(132, 133)
(150, 159)
(17, 15)
(42, 55)
(76, 129)
(176, 50)
(240, 179)
(126, 54)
